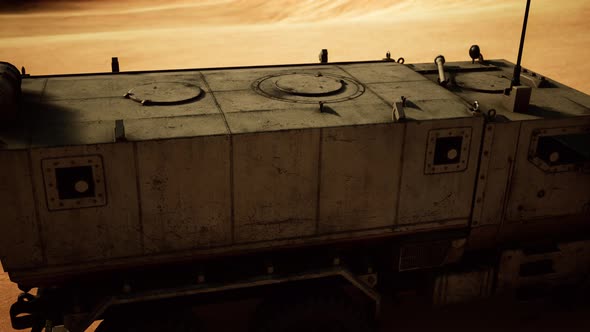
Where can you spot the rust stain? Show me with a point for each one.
(159, 183)
(446, 198)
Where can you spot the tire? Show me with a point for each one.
(314, 313)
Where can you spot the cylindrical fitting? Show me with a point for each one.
(115, 65)
(10, 91)
(323, 56)
(440, 61)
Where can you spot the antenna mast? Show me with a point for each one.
(516, 75)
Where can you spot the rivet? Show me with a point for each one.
(81, 186)
(336, 261)
(452, 154)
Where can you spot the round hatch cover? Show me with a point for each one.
(308, 85)
(164, 93)
(482, 82)
(308, 88)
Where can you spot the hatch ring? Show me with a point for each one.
(308, 88)
(164, 93)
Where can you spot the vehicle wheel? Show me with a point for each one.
(315, 313)
(150, 321)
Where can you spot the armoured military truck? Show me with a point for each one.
(129, 196)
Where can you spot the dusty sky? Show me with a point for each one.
(68, 36)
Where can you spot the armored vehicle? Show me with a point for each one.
(128, 196)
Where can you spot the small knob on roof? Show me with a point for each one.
(323, 56)
(474, 52)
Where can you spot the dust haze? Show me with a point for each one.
(50, 37)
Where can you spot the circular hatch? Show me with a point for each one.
(164, 93)
(308, 88)
(308, 85)
(482, 82)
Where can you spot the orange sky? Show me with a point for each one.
(82, 36)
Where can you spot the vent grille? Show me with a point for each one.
(74, 182)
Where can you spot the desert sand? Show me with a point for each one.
(50, 37)
(67, 36)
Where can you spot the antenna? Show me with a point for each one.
(516, 75)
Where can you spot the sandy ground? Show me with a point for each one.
(51, 37)
(8, 294)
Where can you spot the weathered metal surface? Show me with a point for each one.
(538, 193)
(275, 184)
(415, 256)
(184, 186)
(235, 169)
(465, 286)
(164, 93)
(565, 264)
(497, 160)
(19, 231)
(93, 233)
(309, 85)
(449, 194)
(360, 174)
(491, 82)
(387, 72)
